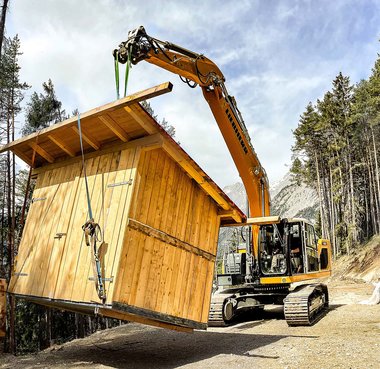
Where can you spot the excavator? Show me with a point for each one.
(282, 260)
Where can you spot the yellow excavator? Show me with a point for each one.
(282, 259)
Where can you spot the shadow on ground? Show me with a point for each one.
(136, 346)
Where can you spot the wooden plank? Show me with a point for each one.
(113, 167)
(176, 209)
(159, 316)
(26, 247)
(84, 261)
(29, 271)
(168, 239)
(18, 152)
(92, 141)
(144, 207)
(201, 293)
(157, 215)
(62, 145)
(148, 142)
(75, 245)
(256, 221)
(181, 233)
(70, 188)
(42, 220)
(45, 239)
(144, 121)
(132, 238)
(167, 255)
(118, 104)
(41, 152)
(195, 172)
(113, 221)
(189, 290)
(101, 202)
(146, 282)
(196, 294)
(124, 218)
(209, 212)
(185, 257)
(110, 313)
(114, 127)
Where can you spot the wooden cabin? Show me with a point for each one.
(158, 211)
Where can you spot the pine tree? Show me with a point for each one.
(164, 123)
(43, 110)
(11, 96)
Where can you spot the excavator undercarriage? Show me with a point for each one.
(303, 306)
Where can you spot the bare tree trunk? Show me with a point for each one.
(376, 173)
(319, 196)
(2, 23)
(372, 196)
(352, 232)
(375, 193)
(13, 220)
(332, 215)
(366, 213)
(2, 268)
(9, 180)
(48, 326)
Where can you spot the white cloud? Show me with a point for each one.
(276, 57)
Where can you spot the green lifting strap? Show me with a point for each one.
(84, 170)
(90, 228)
(117, 75)
(127, 68)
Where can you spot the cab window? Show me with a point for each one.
(272, 249)
(311, 248)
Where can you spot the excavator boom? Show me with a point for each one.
(196, 69)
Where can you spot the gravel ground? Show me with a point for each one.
(348, 336)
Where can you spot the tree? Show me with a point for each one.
(164, 123)
(336, 151)
(2, 23)
(11, 96)
(43, 110)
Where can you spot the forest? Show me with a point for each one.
(336, 152)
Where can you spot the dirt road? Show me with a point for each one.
(347, 337)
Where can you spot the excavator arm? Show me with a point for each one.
(196, 69)
(302, 306)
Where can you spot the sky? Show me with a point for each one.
(276, 56)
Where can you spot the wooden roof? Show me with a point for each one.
(123, 123)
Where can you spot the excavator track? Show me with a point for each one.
(306, 305)
(215, 318)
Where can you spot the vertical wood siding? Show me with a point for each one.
(158, 276)
(61, 268)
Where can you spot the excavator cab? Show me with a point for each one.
(291, 248)
(286, 255)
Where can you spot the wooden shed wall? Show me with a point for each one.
(173, 277)
(160, 233)
(61, 268)
(3, 287)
